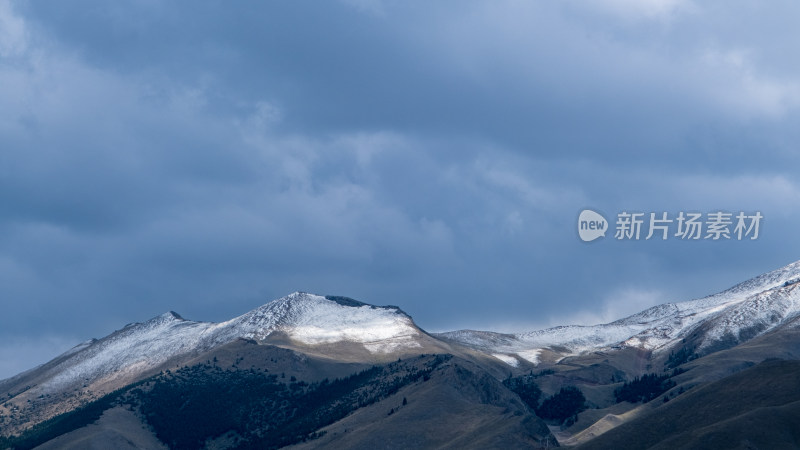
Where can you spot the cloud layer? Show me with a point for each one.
(207, 158)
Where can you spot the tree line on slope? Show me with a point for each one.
(191, 406)
(561, 407)
(645, 388)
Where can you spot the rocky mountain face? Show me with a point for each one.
(332, 371)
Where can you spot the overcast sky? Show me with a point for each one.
(208, 157)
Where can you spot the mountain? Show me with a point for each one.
(288, 349)
(309, 371)
(305, 319)
(330, 327)
(756, 408)
(718, 321)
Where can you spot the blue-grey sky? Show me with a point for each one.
(207, 157)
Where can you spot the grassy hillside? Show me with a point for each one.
(433, 400)
(757, 408)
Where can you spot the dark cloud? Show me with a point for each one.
(207, 158)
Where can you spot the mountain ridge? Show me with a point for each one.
(660, 327)
(302, 315)
(311, 337)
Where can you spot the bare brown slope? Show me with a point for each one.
(457, 404)
(460, 406)
(756, 408)
(782, 343)
(117, 428)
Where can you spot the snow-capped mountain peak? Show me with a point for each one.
(167, 317)
(313, 319)
(304, 318)
(741, 312)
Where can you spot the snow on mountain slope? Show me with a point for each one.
(312, 319)
(761, 312)
(309, 319)
(132, 350)
(736, 314)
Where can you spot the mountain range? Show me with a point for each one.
(313, 371)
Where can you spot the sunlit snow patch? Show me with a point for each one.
(508, 359)
(530, 355)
